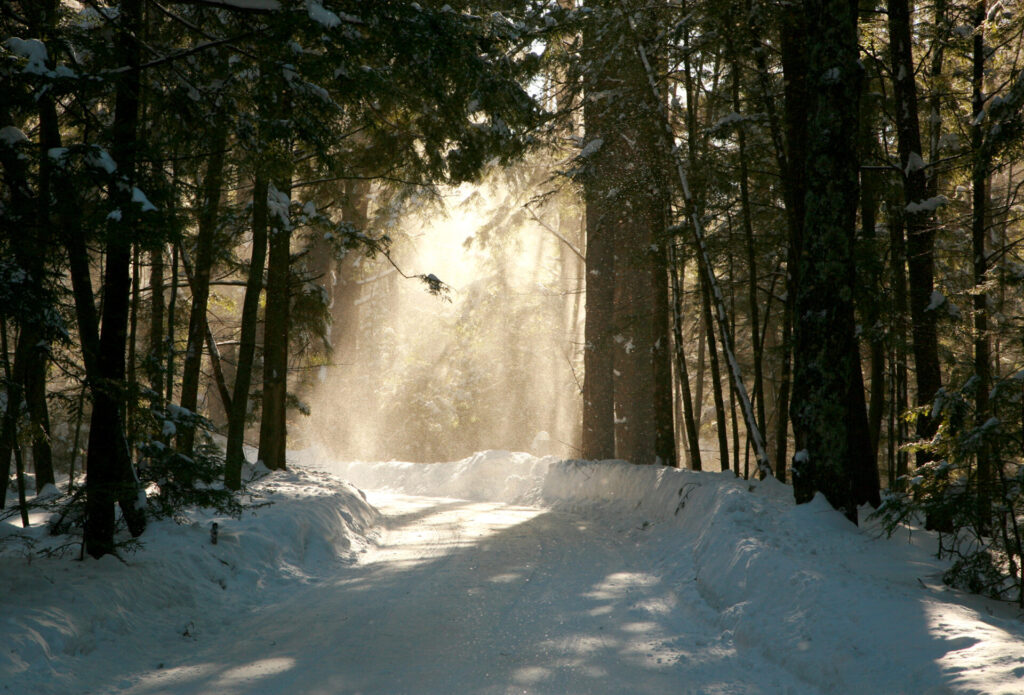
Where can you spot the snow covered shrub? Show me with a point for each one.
(972, 492)
(175, 482)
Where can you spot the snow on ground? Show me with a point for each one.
(506, 573)
(76, 627)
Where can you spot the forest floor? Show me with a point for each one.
(503, 573)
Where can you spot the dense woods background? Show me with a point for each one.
(778, 238)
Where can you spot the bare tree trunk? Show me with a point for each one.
(898, 432)
(979, 230)
(692, 437)
(716, 380)
(247, 340)
(598, 436)
(919, 215)
(111, 477)
(748, 233)
(9, 442)
(211, 344)
(172, 307)
(871, 270)
(664, 422)
(133, 328)
(199, 282)
(830, 416)
(273, 426)
(154, 361)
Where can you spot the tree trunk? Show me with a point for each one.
(871, 269)
(273, 426)
(9, 441)
(247, 340)
(598, 435)
(828, 396)
(979, 230)
(792, 34)
(27, 217)
(664, 421)
(172, 316)
(898, 431)
(39, 415)
(716, 379)
(920, 225)
(748, 234)
(199, 281)
(108, 480)
(154, 360)
(15, 377)
(692, 436)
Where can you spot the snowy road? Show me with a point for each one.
(476, 597)
(504, 573)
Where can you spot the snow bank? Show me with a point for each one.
(488, 476)
(841, 607)
(179, 585)
(585, 487)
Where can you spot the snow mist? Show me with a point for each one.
(493, 364)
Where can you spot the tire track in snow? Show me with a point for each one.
(479, 597)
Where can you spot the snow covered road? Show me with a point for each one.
(460, 597)
(503, 573)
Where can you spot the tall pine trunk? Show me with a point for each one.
(791, 164)
(689, 421)
(828, 394)
(247, 340)
(979, 230)
(199, 283)
(110, 476)
(920, 227)
(273, 426)
(598, 435)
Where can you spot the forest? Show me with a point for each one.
(781, 239)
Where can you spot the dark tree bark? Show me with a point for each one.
(898, 430)
(598, 436)
(108, 481)
(793, 32)
(661, 360)
(15, 378)
(979, 230)
(39, 415)
(131, 385)
(871, 267)
(247, 340)
(211, 343)
(9, 443)
(828, 394)
(627, 204)
(154, 358)
(273, 426)
(20, 214)
(919, 220)
(199, 281)
(172, 317)
(689, 421)
(716, 378)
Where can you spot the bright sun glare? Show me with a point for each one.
(495, 368)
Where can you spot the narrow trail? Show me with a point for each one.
(471, 597)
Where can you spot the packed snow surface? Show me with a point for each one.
(504, 573)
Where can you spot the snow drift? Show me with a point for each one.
(841, 607)
(178, 585)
